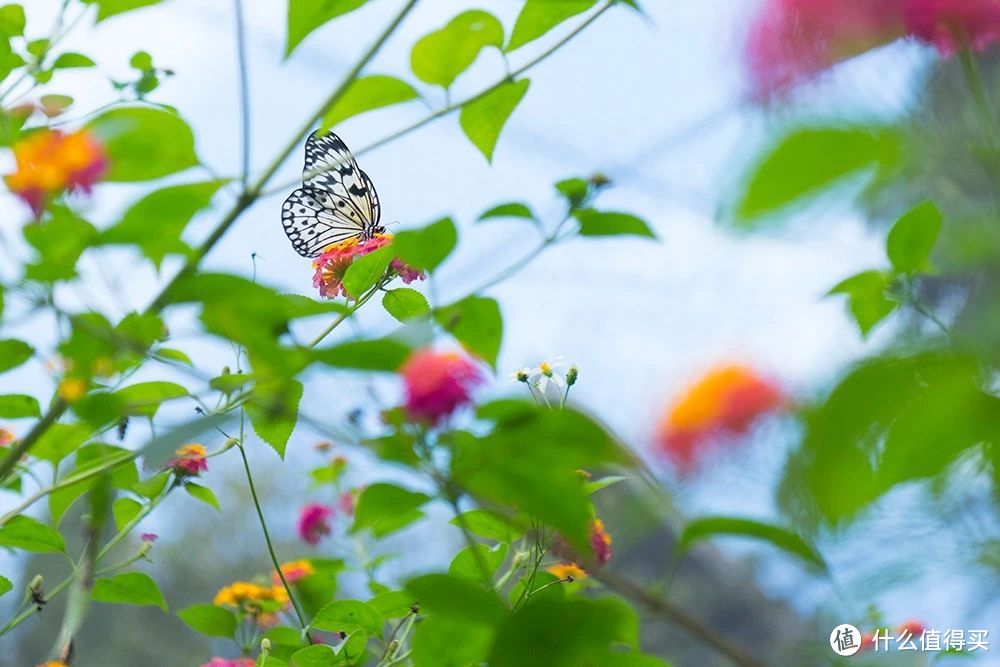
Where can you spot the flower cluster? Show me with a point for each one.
(568, 571)
(189, 460)
(230, 662)
(437, 384)
(293, 571)
(314, 522)
(793, 40)
(600, 547)
(724, 402)
(6, 437)
(251, 598)
(50, 162)
(336, 258)
(600, 542)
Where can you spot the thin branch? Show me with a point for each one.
(241, 53)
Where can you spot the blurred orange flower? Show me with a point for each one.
(51, 162)
(293, 571)
(724, 402)
(189, 460)
(570, 571)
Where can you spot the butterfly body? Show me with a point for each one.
(337, 201)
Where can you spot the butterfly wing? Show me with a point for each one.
(315, 218)
(339, 174)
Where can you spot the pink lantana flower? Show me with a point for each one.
(189, 460)
(437, 384)
(336, 258)
(230, 662)
(948, 23)
(314, 523)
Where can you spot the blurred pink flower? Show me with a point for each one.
(947, 23)
(793, 40)
(437, 384)
(314, 522)
(347, 500)
(227, 662)
(148, 537)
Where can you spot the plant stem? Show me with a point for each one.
(270, 547)
(344, 316)
(474, 546)
(241, 54)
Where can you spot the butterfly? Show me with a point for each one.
(337, 201)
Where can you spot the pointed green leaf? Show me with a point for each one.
(135, 588)
(867, 298)
(15, 406)
(109, 8)
(144, 143)
(483, 119)
(365, 271)
(348, 616)
(784, 539)
(386, 508)
(71, 60)
(510, 210)
(13, 353)
(23, 532)
(202, 493)
(539, 16)
(610, 223)
(304, 16)
(441, 56)
(476, 323)
(210, 620)
(367, 94)
(274, 411)
(405, 304)
(124, 510)
(427, 247)
(912, 238)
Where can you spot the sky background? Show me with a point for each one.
(658, 104)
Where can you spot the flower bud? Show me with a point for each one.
(36, 584)
(229, 444)
(571, 375)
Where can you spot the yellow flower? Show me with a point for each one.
(248, 596)
(570, 571)
(72, 389)
(293, 571)
(53, 663)
(6, 437)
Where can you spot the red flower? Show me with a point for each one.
(190, 460)
(314, 522)
(336, 258)
(148, 537)
(948, 23)
(793, 40)
(600, 542)
(347, 501)
(437, 384)
(915, 628)
(725, 402)
(51, 162)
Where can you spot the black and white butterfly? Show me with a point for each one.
(337, 201)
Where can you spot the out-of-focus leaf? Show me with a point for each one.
(509, 210)
(381, 354)
(476, 323)
(108, 8)
(867, 298)
(811, 159)
(393, 604)
(405, 304)
(539, 16)
(202, 493)
(124, 510)
(441, 56)
(553, 632)
(59, 242)
(12, 20)
(427, 247)
(386, 508)
(5, 585)
(465, 563)
(59, 440)
(70, 60)
(451, 640)
(15, 406)
(609, 223)
(912, 238)
(144, 143)
(367, 94)
(448, 595)
(491, 525)
(208, 619)
(156, 222)
(23, 532)
(784, 539)
(484, 118)
(319, 655)
(348, 616)
(121, 473)
(135, 588)
(13, 353)
(274, 411)
(304, 16)
(144, 399)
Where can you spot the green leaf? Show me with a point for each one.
(451, 640)
(811, 159)
(348, 616)
(441, 56)
(144, 399)
(608, 223)
(784, 539)
(405, 304)
(202, 493)
(509, 210)
(141, 60)
(152, 487)
(120, 472)
(135, 588)
(465, 564)
(12, 20)
(449, 595)
(393, 604)
(209, 620)
(382, 354)
(71, 60)
(539, 16)
(274, 411)
(367, 94)
(912, 238)
(124, 510)
(427, 247)
(5, 585)
(575, 190)
(304, 16)
(59, 441)
(23, 532)
(476, 323)
(168, 211)
(552, 632)
(109, 8)
(867, 298)
(174, 355)
(386, 508)
(319, 655)
(15, 406)
(491, 525)
(365, 271)
(144, 143)
(483, 119)
(59, 242)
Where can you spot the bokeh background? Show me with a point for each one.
(660, 104)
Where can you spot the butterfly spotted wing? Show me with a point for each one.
(337, 200)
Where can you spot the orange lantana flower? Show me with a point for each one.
(51, 162)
